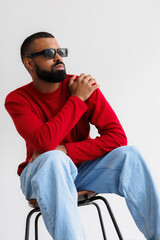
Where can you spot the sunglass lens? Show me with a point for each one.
(63, 52)
(50, 53)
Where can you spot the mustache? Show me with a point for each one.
(58, 62)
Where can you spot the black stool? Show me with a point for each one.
(84, 198)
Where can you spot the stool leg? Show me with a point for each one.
(111, 215)
(36, 225)
(28, 222)
(101, 220)
(89, 202)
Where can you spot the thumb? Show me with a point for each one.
(71, 80)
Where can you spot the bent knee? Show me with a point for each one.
(54, 157)
(128, 153)
(126, 150)
(53, 153)
(133, 156)
(57, 160)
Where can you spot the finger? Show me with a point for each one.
(71, 80)
(81, 77)
(92, 81)
(87, 78)
(34, 155)
(31, 160)
(96, 86)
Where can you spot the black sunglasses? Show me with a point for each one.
(50, 53)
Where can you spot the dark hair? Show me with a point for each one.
(26, 45)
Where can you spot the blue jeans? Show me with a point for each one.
(53, 179)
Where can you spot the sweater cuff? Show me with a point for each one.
(70, 151)
(81, 103)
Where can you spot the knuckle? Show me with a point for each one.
(89, 76)
(83, 75)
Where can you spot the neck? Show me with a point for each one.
(45, 87)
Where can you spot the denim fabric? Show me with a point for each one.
(54, 180)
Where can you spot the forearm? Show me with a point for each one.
(35, 154)
(48, 135)
(112, 135)
(93, 148)
(52, 133)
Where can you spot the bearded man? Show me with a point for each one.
(53, 114)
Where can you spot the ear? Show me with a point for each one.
(29, 64)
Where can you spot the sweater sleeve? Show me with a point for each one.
(111, 132)
(44, 136)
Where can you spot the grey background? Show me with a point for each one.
(118, 43)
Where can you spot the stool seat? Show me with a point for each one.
(82, 195)
(84, 198)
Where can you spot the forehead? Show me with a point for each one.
(43, 43)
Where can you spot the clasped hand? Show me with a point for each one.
(83, 86)
(59, 147)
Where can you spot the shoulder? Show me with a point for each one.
(96, 97)
(19, 94)
(20, 90)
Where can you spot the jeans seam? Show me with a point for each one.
(133, 203)
(45, 209)
(95, 169)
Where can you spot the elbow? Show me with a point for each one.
(123, 141)
(44, 143)
(118, 139)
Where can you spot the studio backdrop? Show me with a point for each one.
(118, 43)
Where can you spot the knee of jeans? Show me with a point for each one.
(50, 163)
(123, 151)
(55, 153)
(133, 155)
(55, 157)
(127, 150)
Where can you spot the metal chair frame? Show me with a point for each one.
(87, 201)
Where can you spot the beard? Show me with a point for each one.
(53, 76)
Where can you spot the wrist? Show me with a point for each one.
(65, 149)
(80, 97)
(62, 148)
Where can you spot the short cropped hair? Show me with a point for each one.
(26, 45)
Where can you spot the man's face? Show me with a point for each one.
(49, 70)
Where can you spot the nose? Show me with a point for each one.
(58, 58)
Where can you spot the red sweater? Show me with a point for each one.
(46, 120)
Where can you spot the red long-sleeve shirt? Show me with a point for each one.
(46, 120)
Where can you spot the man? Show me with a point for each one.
(53, 114)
